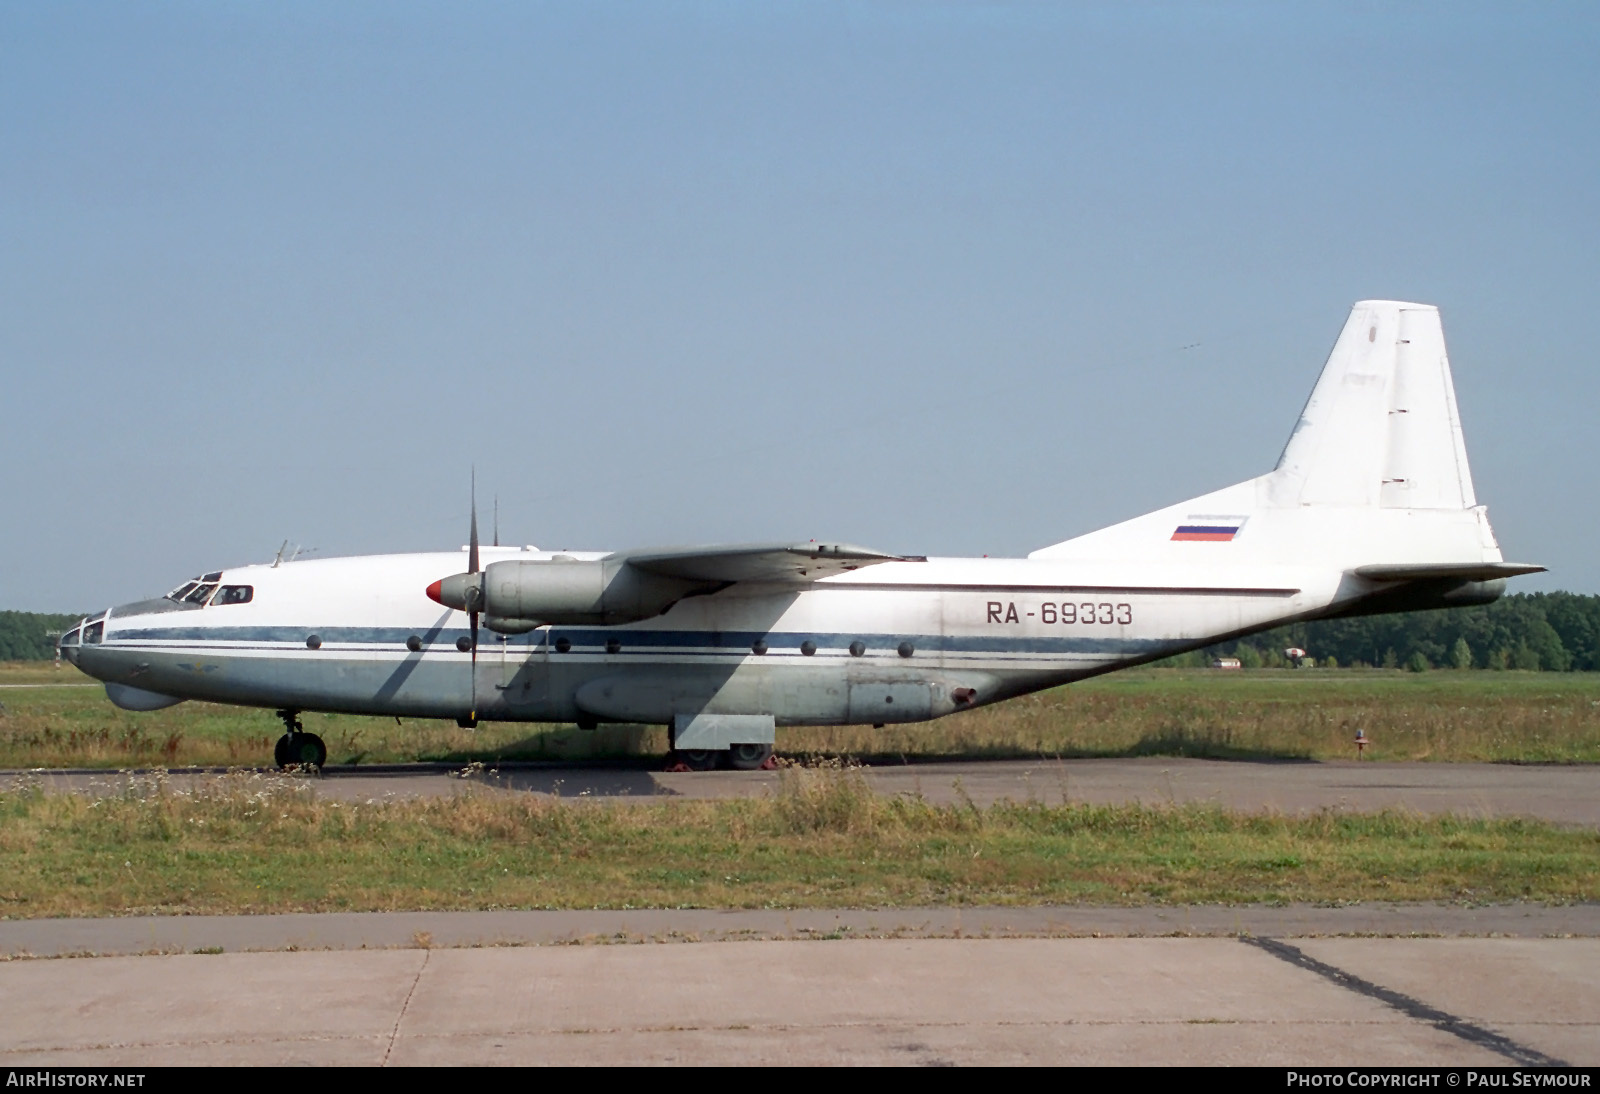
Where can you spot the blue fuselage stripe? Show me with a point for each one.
(632, 641)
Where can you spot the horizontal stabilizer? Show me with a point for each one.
(796, 563)
(1459, 571)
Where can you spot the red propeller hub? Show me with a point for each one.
(434, 593)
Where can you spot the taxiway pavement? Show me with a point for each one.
(1567, 794)
(134, 935)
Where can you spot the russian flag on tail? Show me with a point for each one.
(1209, 529)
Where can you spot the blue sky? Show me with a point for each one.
(943, 279)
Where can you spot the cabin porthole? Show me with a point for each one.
(613, 645)
(758, 647)
(808, 647)
(563, 645)
(906, 649)
(463, 643)
(313, 642)
(858, 648)
(414, 644)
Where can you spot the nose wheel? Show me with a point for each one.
(297, 748)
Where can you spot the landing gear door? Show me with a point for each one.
(525, 668)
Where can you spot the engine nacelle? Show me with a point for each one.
(520, 594)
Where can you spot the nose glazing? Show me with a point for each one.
(68, 644)
(89, 631)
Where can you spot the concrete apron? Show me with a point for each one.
(1438, 1001)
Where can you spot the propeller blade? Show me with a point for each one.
(472, 616)
(472, 548)
(474, 622)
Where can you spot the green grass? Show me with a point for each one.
(268, 844)
(1525, 717)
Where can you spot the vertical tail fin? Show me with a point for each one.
(1375, 472)
(1381, 428)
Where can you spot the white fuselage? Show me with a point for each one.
(902, 641)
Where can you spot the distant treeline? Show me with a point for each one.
(1555, 632)
(30, 636)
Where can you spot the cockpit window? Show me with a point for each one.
(234, 594)
(183, 590)
(217, 576)
(201, 594)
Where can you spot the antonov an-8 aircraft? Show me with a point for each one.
(1369, 510)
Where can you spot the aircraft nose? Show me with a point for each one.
(69, 643)
(88, 632)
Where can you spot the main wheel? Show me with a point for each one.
(748, 757)
(304, 749)
(698, 759)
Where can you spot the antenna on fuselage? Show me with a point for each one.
(497, 520)
(278, 559)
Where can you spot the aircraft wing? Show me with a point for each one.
(784, 563)
(1461, 571)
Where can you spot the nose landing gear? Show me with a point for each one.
(297, 748)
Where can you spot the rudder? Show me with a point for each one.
(1381, 428)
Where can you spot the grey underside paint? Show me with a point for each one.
(525, 684)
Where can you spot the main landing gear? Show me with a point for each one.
(750, 757)
(738, 757)
(297, 748)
